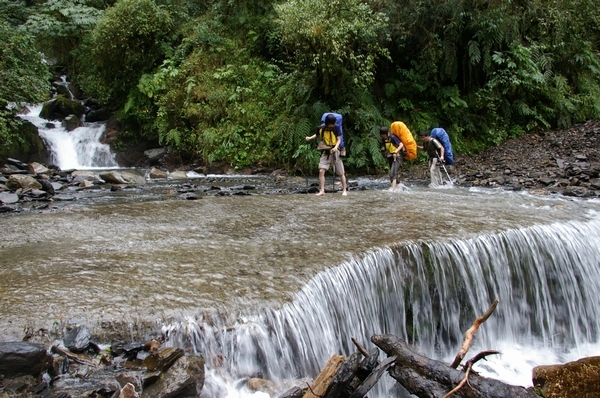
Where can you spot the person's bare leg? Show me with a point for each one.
(321, 183)
(344, 186)
(394, 183)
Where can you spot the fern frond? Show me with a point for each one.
(474, 52)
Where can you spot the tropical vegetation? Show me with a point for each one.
(244, 82)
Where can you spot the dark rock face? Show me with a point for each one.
(77, 339)
(21, 358)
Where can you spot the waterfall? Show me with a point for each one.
(77, 149)
(546, 278)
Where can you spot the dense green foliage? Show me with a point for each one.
(23, 79)
(244, 82)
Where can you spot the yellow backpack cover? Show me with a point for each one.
(400, 130)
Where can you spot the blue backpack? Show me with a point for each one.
(338, 124)
(441, 135)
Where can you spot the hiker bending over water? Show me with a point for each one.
(401, 145)
(435, 151)
(393, 150)
(330, 137)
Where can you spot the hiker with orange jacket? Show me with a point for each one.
(398, 144)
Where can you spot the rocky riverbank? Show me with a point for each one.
(563, 162)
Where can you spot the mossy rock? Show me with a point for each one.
(61, 107)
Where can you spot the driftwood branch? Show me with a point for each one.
(80, 359)
(321, 383)
(361, 348)
(471, 333)
(467, 368)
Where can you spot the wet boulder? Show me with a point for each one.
(97, 115)
(85, 175)
(71, 122)
(22, 358)
(154, 155)
(48, 187)
(37, 168)
(61, 107)
(163, 359)
(16, 181)
(128, 391)
(186, 376)
(8, 198)
(86, 382)
(17, 163)
(122, 177)
(178, 175)
(77, 339)
(156, 173)
(577, 379)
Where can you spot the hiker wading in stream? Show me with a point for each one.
(435, 151)
(330, 138)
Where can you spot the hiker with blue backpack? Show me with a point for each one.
(330, 145)
(436, 152)
(442, 136)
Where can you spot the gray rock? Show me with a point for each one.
(15, 162)
(63, 198)
(77, 339)
(38, 168)
(133, 378)
(187, 372)
(86, 383)
(8, 198)
(155, 154)
(156, 173)
(72, 122)
(122, 177)
(189, 196)
(21, 358)
(178, 175)
(16, 181)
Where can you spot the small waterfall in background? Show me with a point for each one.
(547, 280)
(77, 149)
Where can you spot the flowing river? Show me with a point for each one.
(273, 285)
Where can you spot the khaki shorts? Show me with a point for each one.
(327, 159)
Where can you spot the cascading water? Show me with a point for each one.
(427, 293)
(77, 149)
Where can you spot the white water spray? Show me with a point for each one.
(77, 149)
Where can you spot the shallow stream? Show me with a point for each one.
(159, 261)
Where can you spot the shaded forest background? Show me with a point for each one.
(245, 81)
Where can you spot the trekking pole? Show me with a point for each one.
(333, 177)
(444, 167)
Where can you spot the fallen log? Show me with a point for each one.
(470, 334)
(430, 378)
(351, 374)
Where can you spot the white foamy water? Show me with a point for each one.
(77, 149)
